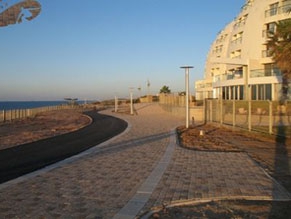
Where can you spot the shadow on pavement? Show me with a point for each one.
(281, 172)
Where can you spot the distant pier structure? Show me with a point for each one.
(18, 11)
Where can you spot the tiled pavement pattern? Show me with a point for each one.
(102, 183)
(205, 175)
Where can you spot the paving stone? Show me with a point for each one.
(137, 170)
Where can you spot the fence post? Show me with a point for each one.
(270, 117)
(4, 116)
(233, 113)
(250, 116)
(221, 111)
(211, 111)
(204, 110)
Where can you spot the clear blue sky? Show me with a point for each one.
(96, 49)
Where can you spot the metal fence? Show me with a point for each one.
(264, 116)
(18, 114)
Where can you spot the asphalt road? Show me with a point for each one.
(22, 159)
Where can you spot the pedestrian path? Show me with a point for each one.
(134, 172)
(138, 201)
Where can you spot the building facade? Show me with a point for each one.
(239, 65)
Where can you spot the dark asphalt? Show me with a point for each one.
(22, 159)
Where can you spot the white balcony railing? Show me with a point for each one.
(265, 73)
(277, 10)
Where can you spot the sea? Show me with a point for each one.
(11, 105)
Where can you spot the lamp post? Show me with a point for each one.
(131, 101)
(116, 104)
(187, 92)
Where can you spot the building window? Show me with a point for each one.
(237, 38)
(241, 92)
(240, 21)
(267, 53)
(273, 10)
(271, 28)
(271, 70)
(254, 92)
(268, 92)
(286, 5)
(261, 92)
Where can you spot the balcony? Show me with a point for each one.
(237, 41)
(277, 10)
(267, 33)
(247, 5)
(206, 85)
(266, 53)
(239, 24)
(264, 73)
(238, 74)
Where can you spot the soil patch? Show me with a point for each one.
(238, 209)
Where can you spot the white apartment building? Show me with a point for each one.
(238, 64)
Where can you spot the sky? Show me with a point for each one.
(98, 49)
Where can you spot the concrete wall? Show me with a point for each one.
(196, 113)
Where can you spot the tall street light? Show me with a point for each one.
(187, 92)
(131, 100)
(116, 104)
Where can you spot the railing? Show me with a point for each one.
(247, 5)
(263, 116)
(207, 85)
(277, 10)
(266, 53)
(239, 24)
(253, 74)
(267, 33)
(226, 77)
(235, 56)
(18, 114)
(237, 40)
(264, 73)
(217, 50)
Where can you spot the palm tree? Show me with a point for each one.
(279, 45)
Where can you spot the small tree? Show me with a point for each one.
(165, 90)
(279, 44)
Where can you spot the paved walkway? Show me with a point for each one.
(134, 172)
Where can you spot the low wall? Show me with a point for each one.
(196, 113)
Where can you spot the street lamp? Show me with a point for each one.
(187, 92)
(116, 104)
(131, 101)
